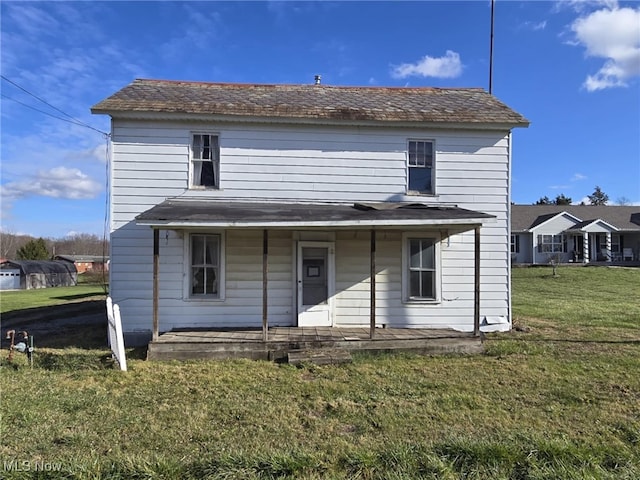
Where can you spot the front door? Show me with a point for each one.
(316, 282)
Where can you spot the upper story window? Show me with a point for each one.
(205, 161)
(420, 167)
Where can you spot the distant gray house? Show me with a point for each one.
(28, 274)
(575, 233)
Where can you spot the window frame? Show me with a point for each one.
(549, 245)
(406, 268)
(616, 243)
(515, 243)
(187, 270)
(193, 160)
(408, 167)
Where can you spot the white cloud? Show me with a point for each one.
(448, 66)
(613, 35)
(577, 177)
(59, 182)
(535, 26)
(583, 201)
(582, 5)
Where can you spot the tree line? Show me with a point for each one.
(598, 197)
(26, 247)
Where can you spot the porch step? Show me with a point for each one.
(319, 356)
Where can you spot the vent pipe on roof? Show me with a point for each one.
(317, 79)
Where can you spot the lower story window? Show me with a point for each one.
(421, 268)
(616, 245)
(205, 265)
(515, 243)
(552, 244)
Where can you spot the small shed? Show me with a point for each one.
(28, 274)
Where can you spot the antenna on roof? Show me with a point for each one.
(317, 79)
(491, 51)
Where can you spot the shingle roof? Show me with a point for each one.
(41, 266)
(524, 217)
(387, 104)
(213, 212)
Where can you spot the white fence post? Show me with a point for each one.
(116, 339)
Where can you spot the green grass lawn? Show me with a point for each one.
(557, 399)
(41, 297)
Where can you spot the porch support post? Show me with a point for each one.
(476, 289)
(156, 288)
(265, 271)
(609, 255)
(585, 256)
(372, 294)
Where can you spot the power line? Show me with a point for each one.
(80, 124)
(73, 120)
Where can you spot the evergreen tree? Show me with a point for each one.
(562, 200)
(544, 201)
(598, 197)
(34, 250)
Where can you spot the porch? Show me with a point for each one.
(326, 343)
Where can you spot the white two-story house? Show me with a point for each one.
(241, 205)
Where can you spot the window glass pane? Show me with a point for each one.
(197, 250)
(412, 147)
(211, 281)
(413, 161)
(196, 146)
(414, 283)
(415, 252)
(214, 148)
(205, 140)
(211, 257)
(428, 254)
(420, 179)
(207, 178)
(427, 285)
(428, 149)
(197, 281)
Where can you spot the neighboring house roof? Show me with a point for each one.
(623, 218)
(41, 266)
(185, 213)
(378, 104)
(584, 226)
(83, 258)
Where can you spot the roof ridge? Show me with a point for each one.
(245, 84)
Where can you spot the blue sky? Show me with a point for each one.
(571, 67)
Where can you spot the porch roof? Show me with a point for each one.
(592, 226)
(178, 213)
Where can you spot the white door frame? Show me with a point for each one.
(314, 311)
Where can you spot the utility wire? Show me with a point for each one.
(80, 124)
(73, 119)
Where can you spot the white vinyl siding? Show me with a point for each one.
(151, 162)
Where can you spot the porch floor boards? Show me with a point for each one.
(247, 343)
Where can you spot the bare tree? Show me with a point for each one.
(623, 200)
